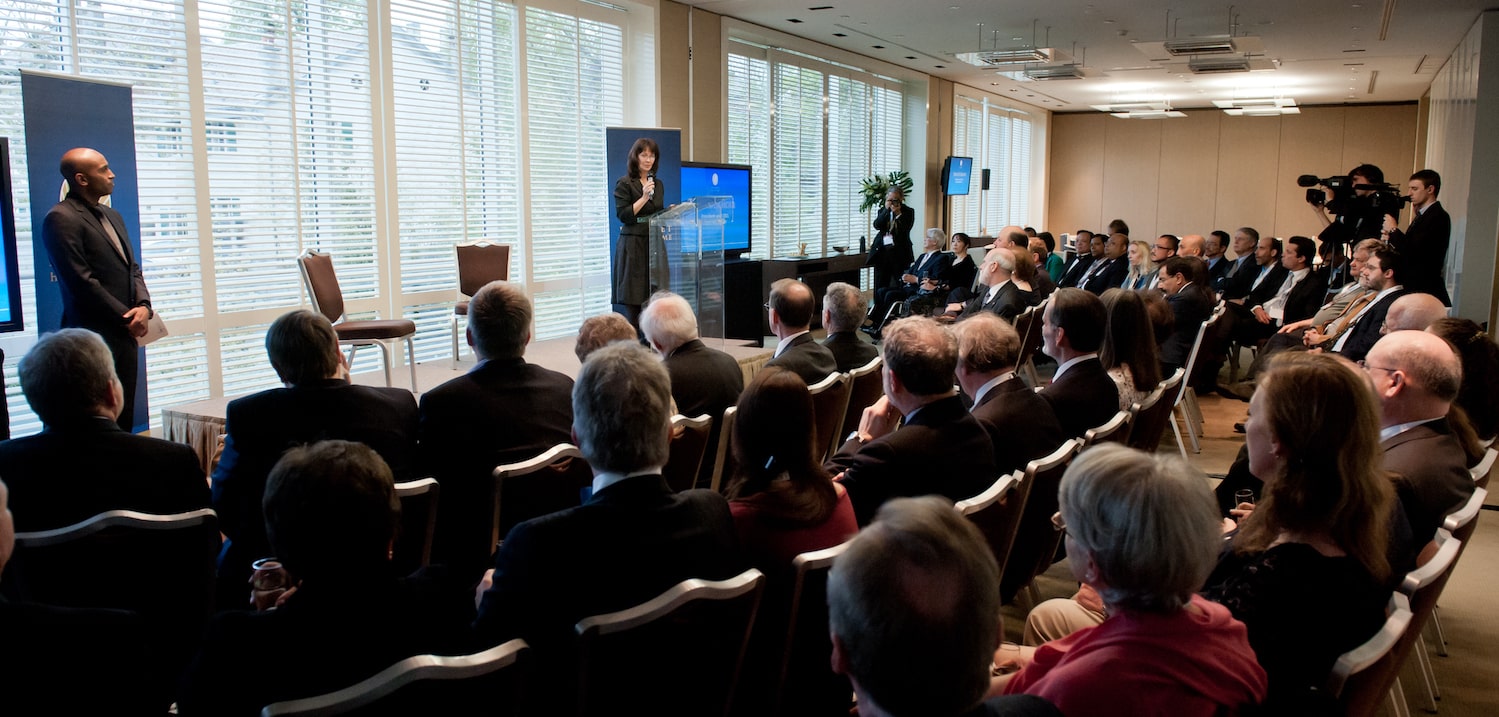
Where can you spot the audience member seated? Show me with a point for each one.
(703, 380)
(791, 305)
(1383, 273)
(1089, 249)
(1109, 271)
(1042, 282)
(1479, 395)
(1053, 261)
(1020, 423)
(940, 448)
(1295, 298)
(1000, 296)
(1329, 321)
(1025, 274)
(331, 513)
(1214, 246)
(1191, 304)
(842, 312)
(502, 411)
(913, 605)
(1142, 533)
(1081, 393)
(955, 284)
(1141, 269)
(1251, 264)
(1129, 352)
(318, 403)
(631, 540)
(599, 331)
(1416, 376)
(1309, 567)
(1192, 245)
(918, 279)
(1413, 312)
(82, 463)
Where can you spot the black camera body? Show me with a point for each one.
(1384, 200)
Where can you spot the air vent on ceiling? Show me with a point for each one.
(1010, 56)
(1210, 45)
(1215, 65)
(1070, 71)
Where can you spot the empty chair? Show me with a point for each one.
(865, 387)
(808, 685)
(723, 456)
(997, 511)
(1367, 675)
(1152, 413)
(419, 684)
(689, 442)
(1114, 430)
(413, 548)
(328, 300)
(830, 404)
(479, 263)
(678, 653)
(1036, 539)
(552, 481)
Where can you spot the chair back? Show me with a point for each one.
(1202, 331)
(1036, 539)
(807, 683)
(678, 653)
(829, 407)
(1462, 522)
(479, 263)
(1153, 413)
(1028, 325)
(997, 511)
(1361, 677)
(1481, 471)
(723, 455)
(550, 482)
(689, 441)
(1425, 584)
(417, 684)
(322, 284)
(413, 549)
(865, 387)
(1114, 430)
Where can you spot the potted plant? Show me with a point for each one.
(875, 188)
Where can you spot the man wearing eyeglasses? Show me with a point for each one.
(891, 251)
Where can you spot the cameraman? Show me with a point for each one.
(1357, 215)
(1424, 241)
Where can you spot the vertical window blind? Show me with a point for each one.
(999, 139)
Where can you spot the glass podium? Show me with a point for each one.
(687, 255)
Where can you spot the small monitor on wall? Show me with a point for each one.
(956, 173)
(703, 179)
(10, 278)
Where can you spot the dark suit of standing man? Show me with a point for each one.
(1424, 242)
(891, 249)
(103, 289)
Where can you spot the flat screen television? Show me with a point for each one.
(10, 292)
(956, 171)
(706, 179)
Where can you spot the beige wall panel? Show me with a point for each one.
(1075, 192)
(707, 87)
(1131, 173)
(673, 85)
(1310, 143)
(1189, 175)
(1384, 136)
(1248, 160)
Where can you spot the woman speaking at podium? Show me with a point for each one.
(637, 196)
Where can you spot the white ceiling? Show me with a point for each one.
(1324, 51)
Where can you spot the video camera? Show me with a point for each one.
(1385, 198)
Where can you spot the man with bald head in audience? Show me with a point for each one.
(842, 312)
(1414, 312)
(940, 448)
(1001, 298)
(791, 305)
(1081, 393)
(1416, 376)
(1192, 245)
(1021, 423)
(504, 410)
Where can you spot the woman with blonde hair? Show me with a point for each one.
(1141, 268)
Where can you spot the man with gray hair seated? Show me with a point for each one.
(83, 463)
(703, 379)
(913, 605)
(939, 449)
(1020, 422)
(842, 312)
(631, 540)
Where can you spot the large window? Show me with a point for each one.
(1000, 139)
(812, 130)
(380, 131)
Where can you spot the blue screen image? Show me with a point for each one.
(959, 171)
(716, 180)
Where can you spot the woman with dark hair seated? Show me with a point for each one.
(1143, 532)
(331, 515)
(1129, 350)
(955, 282)
(1479, 396)
(1308, 570)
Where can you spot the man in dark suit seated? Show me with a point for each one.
(1089, 249)
(842, 310)
(1270, 278)
(1081, 393)
(1384, 273)
(703, 380)
(913, 607)
(318, 403)
(504, 410)
(1020, 423)
(82, 463)
(627, 543)
(1416, 376)
(1110, 271)
(791, 305)
(1191, 304)
(940, 448)
(1002, 298)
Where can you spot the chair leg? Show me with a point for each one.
(1423, 660)
(1397, 700)
(1029, 371)
(1436, 624)
(385, 353)
(1180, 442)
(411, 361)
(1182, 412)
(453, 324)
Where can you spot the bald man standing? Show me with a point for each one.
(102, 286)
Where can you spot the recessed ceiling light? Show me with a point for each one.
(941, 67)
(910, 57)
(821, 7)
(953, 7)
(996, 84)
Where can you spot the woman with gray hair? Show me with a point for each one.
(1143, 531)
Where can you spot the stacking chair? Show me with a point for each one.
(1424, 587)
(1485, 466)
(689, 442)
(807, 683)
(1363, 677)
(1114, 430)
(479, 263)
(425, 684)
(865, 387)
(328, 300)
(1036, 539)
(1028, 325)
(1460, 524)
(723, 457)
(1153, 412)
(552, 481)
(997, 511)
(413, 549)
(1185, 407)
(830, 405)
(678, 653)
